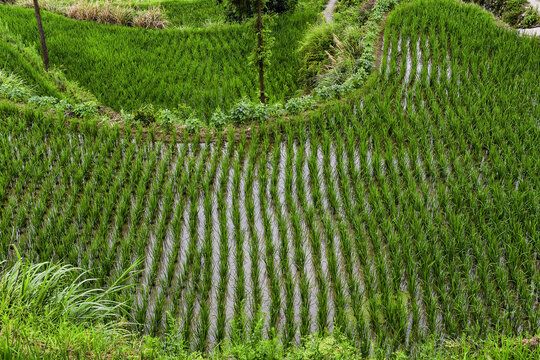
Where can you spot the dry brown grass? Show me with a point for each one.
(153, 18)
(105, 12)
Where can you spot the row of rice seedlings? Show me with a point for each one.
(332, 252)
(177, 225)
(158, 263)
(323, 300)
(270, 251)
(303, 256)
(88, 208)
(348, 230)
(122, 215)
(134, 245)
(110, 203)
(251, 214)
(283, 234)
(239, 279)
(144, 235)
(141, 182)
(223, 243)
(206, 250)
(193, 263)
(186, 193)
(153, 251)
(298, 237)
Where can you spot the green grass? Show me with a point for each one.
(203, 68)
(403, 214)
(193, 13)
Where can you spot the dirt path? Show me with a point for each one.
(530, 32)
(329, 11)
(534, 31)
(535, 4)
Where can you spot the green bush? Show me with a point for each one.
(297, 105)
(12, 87)
(145, 115)
(530, 18)
(314, 50)
(86, 109)
(513, 11)
(246, 111)
(219, 119)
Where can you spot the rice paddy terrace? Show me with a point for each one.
(199, 65)
(408, 210)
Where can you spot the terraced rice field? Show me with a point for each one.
(202, 67)
(408, 210)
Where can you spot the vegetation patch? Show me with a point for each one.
(398, 220)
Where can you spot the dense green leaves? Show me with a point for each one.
(203, 68)
(407, 213)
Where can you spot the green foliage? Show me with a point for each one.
(332, 346)
(202, 68)
(400, 213)
(12, 87)
(332, 91)
(145, 115)
(513, 10)
(530, 18)
(264, 53)
(59, 293)
(313, 51)
(242, 9)
(200, 13)
(297, 105)
(245, 112)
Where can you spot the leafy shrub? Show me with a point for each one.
(297, 105)
(183, 115)
(145, 115)
(276, 109)
(246, 111)
(43, 101)
(513, 11)
(240, 9)
(530, 18)
(63, 106)
(317, 347)
(86, 109)
(12, 87)
(193, 123)
(174, 116)
(167, 117)
(218, 119)
(331, 91)
(314, 50)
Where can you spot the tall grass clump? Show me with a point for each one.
(57, 294)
